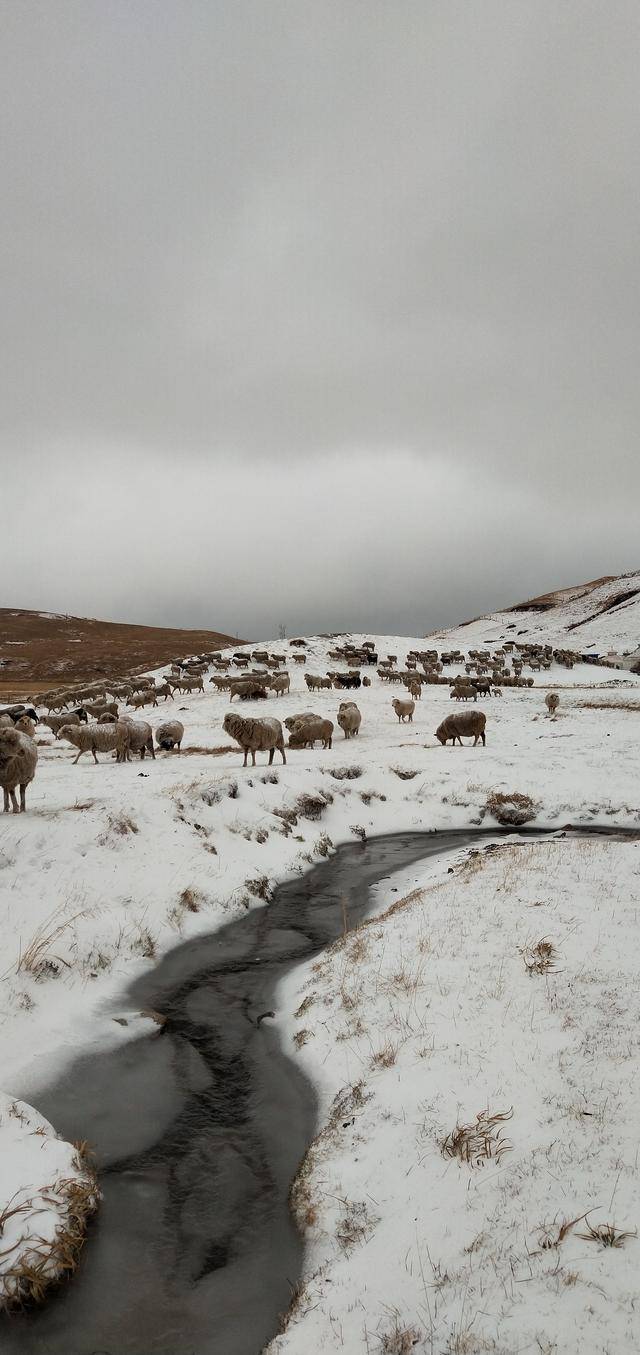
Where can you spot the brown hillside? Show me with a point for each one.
(38, 650)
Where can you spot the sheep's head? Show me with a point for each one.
(441, 735)
(9, 743)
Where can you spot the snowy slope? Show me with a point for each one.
(595, 618)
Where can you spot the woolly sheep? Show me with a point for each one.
(98, 738)
(306, 731)
(415, 690)
(349, 718)
(170, 734)
(255, 736)
(465, 722)
(366, 681)
(292, 720)
(404, 710)
(98, 708)
(464, 691)
(26, 726)
(281, 683)
(18, 760)
(139, 699)
(552, 701)
(57, 722)
(140, 738)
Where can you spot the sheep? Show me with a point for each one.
(552, 701)
(464, 722)
(247, 689)
(404, 710)
(415, 690)
(292, 720)
(255, 736)
(464, 691)
(140, 738)
(97, 738)
(164, 689)
(280, 684)
(170, 734)
(108, 718)
(57, 722)
(98, 708)
(6, 722)
(315, 684)
(366, 681)
(306, 731)
(26, 726)
(349, 718)
(18, 760)
(146, 698)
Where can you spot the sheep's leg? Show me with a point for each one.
(271, 752)
(253, 756)
(484, 741)
(23, 802)
(283, 755)
(94, 756)
(6, 801)
(77, 759)
(246, 754)
(151, 749)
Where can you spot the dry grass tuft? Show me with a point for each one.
(511, 809)
(46, 1263)
(405, 773)
(36, 958)
(399, 1340)
(302, 1037)
(479, 1142)
(386, 1056)
(355, 1225)
(540, 958)
(552, 1236)
(191, 900)
(260, 887)
(344, 773)
(209, 752)
(606, 1234)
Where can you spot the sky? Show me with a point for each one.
(317, 314)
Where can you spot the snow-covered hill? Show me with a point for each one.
(591, 618)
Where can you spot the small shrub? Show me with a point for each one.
(358, 831)
(386, 1056)
(405, 773)
(398, 1340)
(541, 958)
(324, 845)
(313, 806)
(191, 900)
(261, 888)
(345, 773)
(301, 1037)
(512, 809)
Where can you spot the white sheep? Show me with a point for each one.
(349, 718)
(404, 710)
(97, 738)
(140, 739)
(18, 760)
(170, 734)
(255, 735)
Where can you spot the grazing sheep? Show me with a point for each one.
(98, 708)
(18, 759)
(315, 684)
(146, 698)
(552, 701)
(255, 736)
(464, 691)
(247, 689)
(404, 710)
(349, 718)
(292, 720)
(280, 684)
(306, 731)
(98, 738)
(57, 722)
(26, 726)
(466, 722)
(170, 734)
(140, 738)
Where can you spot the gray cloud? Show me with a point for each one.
(320, 313)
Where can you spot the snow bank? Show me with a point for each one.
(47, 1192)
(441, 1011)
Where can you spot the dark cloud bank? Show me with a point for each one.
(317, 313)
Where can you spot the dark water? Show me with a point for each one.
(199, 1130)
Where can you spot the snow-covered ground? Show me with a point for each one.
(113, 864)
(416, 1025)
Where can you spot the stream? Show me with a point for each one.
(199, 1129)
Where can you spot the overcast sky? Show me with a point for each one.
(317, 313)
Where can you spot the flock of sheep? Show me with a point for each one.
(114, 731)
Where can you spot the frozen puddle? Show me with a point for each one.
(199, 1130)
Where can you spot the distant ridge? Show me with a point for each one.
(42, 648)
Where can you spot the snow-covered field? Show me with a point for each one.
(113, 864)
